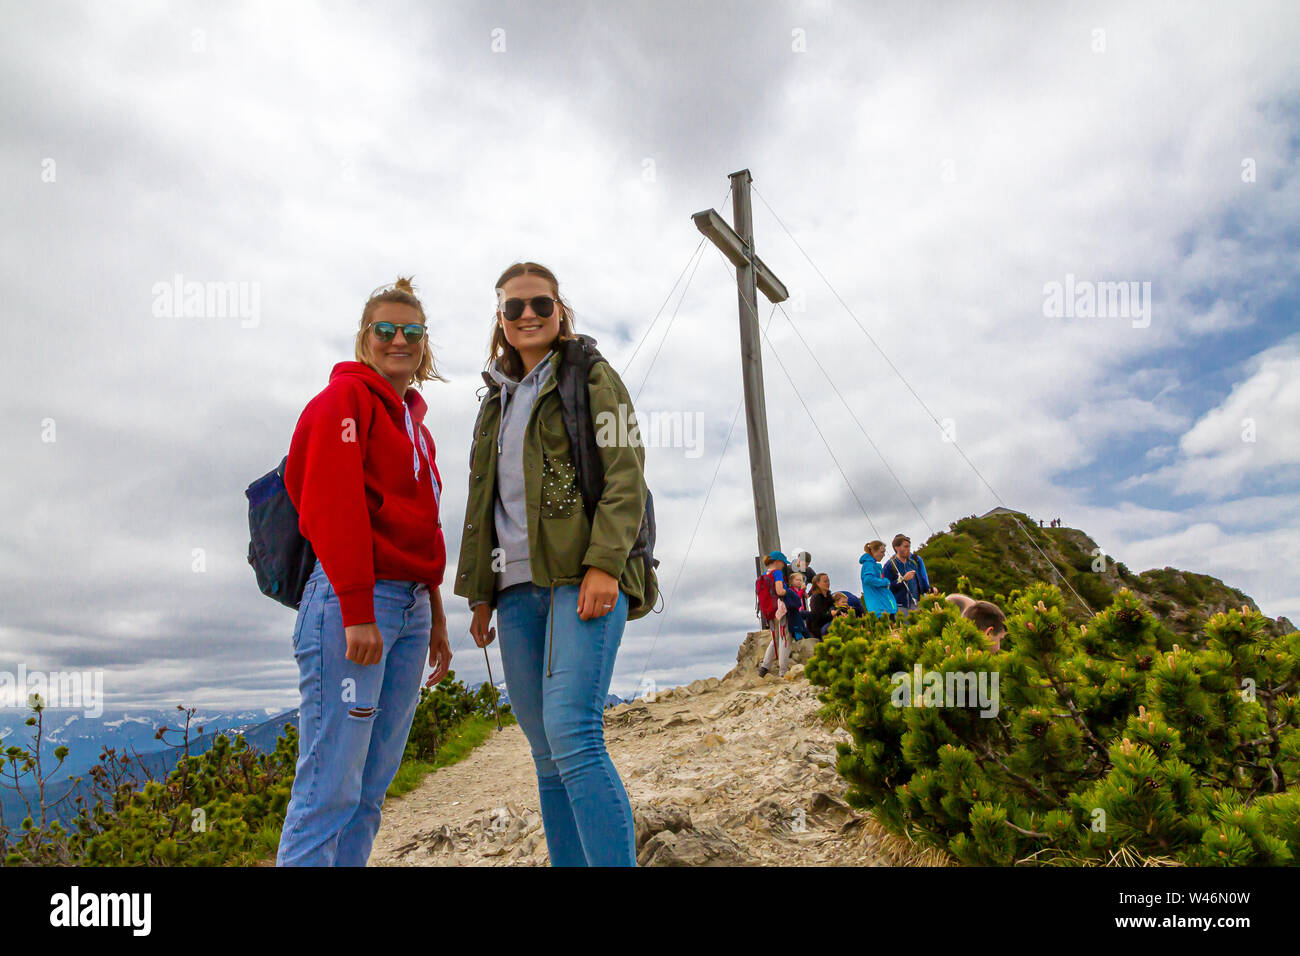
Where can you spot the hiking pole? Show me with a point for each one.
(496, 698)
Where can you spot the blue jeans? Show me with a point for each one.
(585, 810)
(353, 721)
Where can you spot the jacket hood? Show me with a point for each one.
(381, 387)
(866, 557)
(507, 385)
(494, 376)
(539, 372)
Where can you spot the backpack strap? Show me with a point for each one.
(577, 357)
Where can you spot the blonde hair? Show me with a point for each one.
(400, 291)
(499, 348)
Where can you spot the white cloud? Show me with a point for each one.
(1252, 434)
(319, 154)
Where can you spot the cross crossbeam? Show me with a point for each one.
(733, 247)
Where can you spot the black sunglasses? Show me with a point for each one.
(386, 331)
(543, 305)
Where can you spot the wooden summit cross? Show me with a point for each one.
(738, 246)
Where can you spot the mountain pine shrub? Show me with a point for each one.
(442, 709)
(213, 808)
(219, 807)
(1110, 740)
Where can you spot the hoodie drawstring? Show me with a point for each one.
(550, 633)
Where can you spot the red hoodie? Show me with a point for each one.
(352, 476)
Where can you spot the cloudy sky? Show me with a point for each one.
(941, 166)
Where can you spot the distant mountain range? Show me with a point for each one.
(133, 733)
(128, 730)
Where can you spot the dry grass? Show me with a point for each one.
(1123, 857)
(894, 849)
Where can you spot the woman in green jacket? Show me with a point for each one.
(561, 583)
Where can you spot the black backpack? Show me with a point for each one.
(578, 356)
(281, 557)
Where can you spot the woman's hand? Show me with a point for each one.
(365, 644)
(439, 652)
(598, 594)
(479, 627)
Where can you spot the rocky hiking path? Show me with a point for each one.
(724, 772)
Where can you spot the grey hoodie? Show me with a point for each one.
(511, 514)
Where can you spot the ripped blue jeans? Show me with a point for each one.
(353, 721)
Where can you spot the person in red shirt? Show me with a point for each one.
(779, 648)
(362, 474)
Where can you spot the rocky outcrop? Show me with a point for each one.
(752, 649)
(670, 838)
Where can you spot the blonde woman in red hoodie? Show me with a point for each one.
(362, 475)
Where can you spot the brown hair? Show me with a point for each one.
(817, 578)
(986, 614)
(400, 291)
(899, 539)
(499, 347)
(872, 546)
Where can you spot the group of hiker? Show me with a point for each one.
(797, 603)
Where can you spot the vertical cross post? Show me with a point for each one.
(751, 275)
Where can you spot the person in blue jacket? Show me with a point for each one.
(876, 595)
(906, 575)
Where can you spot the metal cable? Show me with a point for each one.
(698, 518)
(919, 400)
(723, 261)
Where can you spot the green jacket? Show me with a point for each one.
(562, 542)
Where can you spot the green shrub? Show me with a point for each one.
(440, 712)
(1108, 738)
(221, 806)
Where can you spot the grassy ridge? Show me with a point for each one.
(996, 557)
